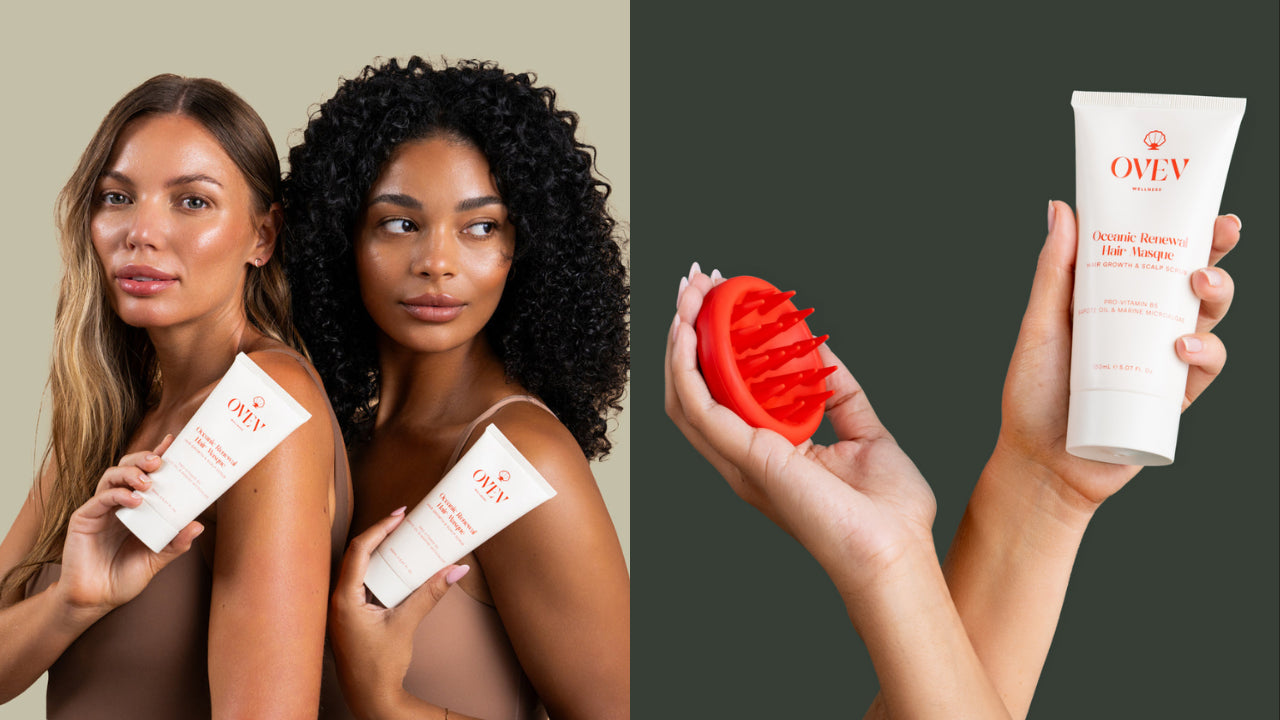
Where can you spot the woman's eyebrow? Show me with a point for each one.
(477, 202)
(193, 178)
(396, 199)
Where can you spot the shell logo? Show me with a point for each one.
(259, 402)
(1154, 140)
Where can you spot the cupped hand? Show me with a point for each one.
(371, 643)
(103, 564)
(1033, 427)
(857, 506)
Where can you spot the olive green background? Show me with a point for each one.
(66, 64)
(892, 163)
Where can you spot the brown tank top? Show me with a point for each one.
(157, 645)
(480, 675)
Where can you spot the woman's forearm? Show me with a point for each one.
(918, 644)
(33, 634)
(1008, 568)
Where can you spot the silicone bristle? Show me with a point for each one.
(761, 301)
(760, 363)
(807, 404)
(751, 338)
(778, 385)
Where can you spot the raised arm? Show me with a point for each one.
(559, 580)
(271, 568)
(1013, 552)
(862, 510)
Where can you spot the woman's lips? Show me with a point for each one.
(143, 280)
(432, 307)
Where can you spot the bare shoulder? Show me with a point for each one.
(547, 444)
(290, 372)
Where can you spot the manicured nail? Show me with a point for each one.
(1052, 215)
(1211, 277)
(199, 532)
(152, 457)
(136, 493)
(398, 511)
(684, 283)
(1192, 344)
(694, 269)
(1233, 216)
(715, 275)
(457, 574)
(675, 323)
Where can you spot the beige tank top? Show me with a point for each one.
(462, 657)
(149, 658)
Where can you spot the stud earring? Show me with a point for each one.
(257, 262)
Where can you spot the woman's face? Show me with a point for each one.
(434, 245)
(174, 225)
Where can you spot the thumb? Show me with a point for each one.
(1049, 308)
(178, 545)
(419, 603)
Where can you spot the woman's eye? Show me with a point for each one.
(194, 203)
(482, 229)
(399, 226)
(114, 198)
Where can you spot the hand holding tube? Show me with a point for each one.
(1034, 404)
(372, 644)
(103, 564)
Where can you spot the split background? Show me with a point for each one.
(890, 163)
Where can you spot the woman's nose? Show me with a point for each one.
(148, 225)
(436, 254)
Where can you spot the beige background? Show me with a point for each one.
(67, 66)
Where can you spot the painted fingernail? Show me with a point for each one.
(399, 511)
(1192, 344)
(457, 574)
(1211, 277)
(694, 269)
(684, 283)
(1233, 216)
(675, 323)
(1052, 215)
(152, 457)
(136, 493)
(715, 275)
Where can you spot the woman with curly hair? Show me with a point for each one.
(455, 266)
(169, 240)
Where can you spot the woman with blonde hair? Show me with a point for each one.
(168, 230)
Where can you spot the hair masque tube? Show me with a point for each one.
(490, 487)
(1150, 170)
(242, 420)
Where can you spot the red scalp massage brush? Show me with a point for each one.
(760, 359)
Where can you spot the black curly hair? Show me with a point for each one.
(561, 328)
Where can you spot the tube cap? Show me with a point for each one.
(385, 584)
(1126, 428)
(143, 521)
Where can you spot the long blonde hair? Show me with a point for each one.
(103, 372)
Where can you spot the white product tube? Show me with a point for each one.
(242, 420)
(1150, 170)
(488, 489)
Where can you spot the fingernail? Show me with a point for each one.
(398, 511)
(199, 531)
(684, 283)
(457, 574)
(694, 269)
(1192, 344)
(715, 275)
(675, 323)
(1052, 215)
(1211, 277)
(1233, 216)
(153, 457)
(136, 493)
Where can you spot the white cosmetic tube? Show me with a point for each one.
(1150, 170)
(488, 489)
(242, 420)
